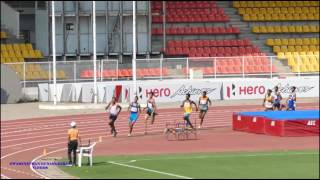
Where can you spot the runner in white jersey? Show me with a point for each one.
(114, 109)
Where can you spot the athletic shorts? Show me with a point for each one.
(268, 109)
(150, 112)
(113, 117)
(277, 105)
(186, 116)
(133, 117)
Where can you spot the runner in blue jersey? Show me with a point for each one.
(135, 110)
(291, 101)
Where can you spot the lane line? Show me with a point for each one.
(150, 170)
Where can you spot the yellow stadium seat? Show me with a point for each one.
(290, 49)
(20, 59)
(313, 48)
(305, 28)
(9, 47)
(270, 42)
(306, 3)
(32, 54)
(298, 29)
(305, 60)
(298, 48)
(270, 29)
(313, 28)
(316, 67)
(284, 42)
(277, 42)
(288, 54)
(243, 4)
(276, 49)
(291, 61)
(267, 17)
(291, 29)
(299, 41)
(297, 10)
(304, 17)
(29, 46)
(25, 54)
(306, 41)
(312, 60)
(16, 47)
(241, 11)
(38, 54)
(18, 54)
(236, 4)
(246, 17)
(291, 10)
(3, 47)
(305, 48)
(283, 48)
(251, 4)
(281, 55)
(285, 4)
(284, 29)
(23, 47)
(260, 17)
(291, 42)
(310, 17)
(5, 54)
(271, 3)
(313, 41)
(255, 29)
(11, 54)
(277, 29)
(284, 9)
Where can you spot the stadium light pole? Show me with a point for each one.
(94, 50)
(134, 75)
(53, 36)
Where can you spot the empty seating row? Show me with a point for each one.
(196, 30)
(311, 55)
(238, 4)
(303, 60)
(3, 35)
(35, 72)
(290, 10)
(283, 48)
(212, 52)
(305, 68)
(209, 43)
(281, 17)
(183, 4)
(191, 18)
(11, 59)
(234, 69)
(125, 73)
(286, 29)
(211, 11)
(21, 54)
(16, 47)
(293, 41)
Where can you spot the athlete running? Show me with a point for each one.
(204, 102)
(135, 110)
(291, 101)
(151, 111)
(268, 101)
(114, 110)
(187, 106)
(277, 99)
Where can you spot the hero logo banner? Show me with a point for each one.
(257, 89)
(178, 92)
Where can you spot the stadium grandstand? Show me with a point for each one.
(213, 35)
(133, 83)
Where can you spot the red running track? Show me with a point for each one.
(25, 139)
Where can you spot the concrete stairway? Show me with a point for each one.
(246, 33)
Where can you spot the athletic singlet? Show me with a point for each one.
(149, 104)
(292, 101)
(276, 97)
(204, 102)
(113, 109)
(134, 107)
(187, 107)
(268, 102)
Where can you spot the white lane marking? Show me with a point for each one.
(4, 177)
(18, 171)
(122, 122)
(150, 170)
(38, 173)
(228, 156)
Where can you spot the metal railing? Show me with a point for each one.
(32, 73)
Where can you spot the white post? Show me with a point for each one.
(94, 50)
(53, 36)
(271, 58)
(134, 75)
